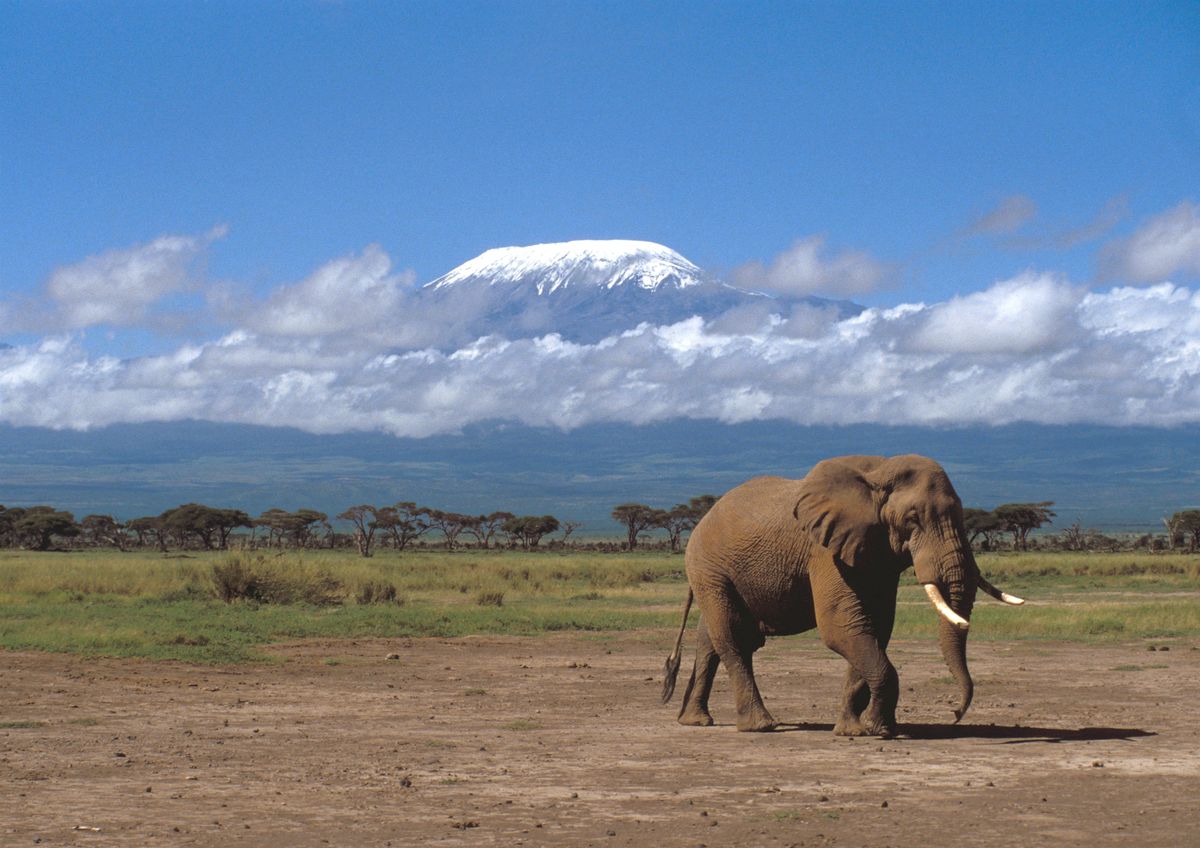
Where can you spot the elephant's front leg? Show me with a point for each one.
(856, 697)
(880, 606)
(846, 629)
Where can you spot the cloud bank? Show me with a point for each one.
(352, 347)
(1033, 348)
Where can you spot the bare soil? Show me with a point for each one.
(561, 740)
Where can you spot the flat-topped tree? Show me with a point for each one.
(1020, 518)
(636, 517)
(363, 517)
(403, 523)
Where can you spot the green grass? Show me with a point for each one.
(146, 605)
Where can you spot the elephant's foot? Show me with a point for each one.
(695, 718)
(756, 721)
(864, 725)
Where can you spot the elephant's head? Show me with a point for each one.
(878, 515)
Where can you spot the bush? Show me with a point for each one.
(488, 598)
(252, 577)
(377, 592)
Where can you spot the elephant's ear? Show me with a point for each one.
(838, 508)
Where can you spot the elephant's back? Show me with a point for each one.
(747, 524)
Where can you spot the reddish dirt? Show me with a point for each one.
(560, 740)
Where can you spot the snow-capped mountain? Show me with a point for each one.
(584, 291)
(547, 268)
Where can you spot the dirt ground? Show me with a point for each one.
(560, 740)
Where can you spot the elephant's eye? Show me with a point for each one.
(911, 520)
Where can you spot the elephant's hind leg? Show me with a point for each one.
(735, 636)
(694, 710)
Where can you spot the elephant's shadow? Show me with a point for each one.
(1008, 734)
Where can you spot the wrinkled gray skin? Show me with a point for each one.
(777, 556)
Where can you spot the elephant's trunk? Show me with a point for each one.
(952, 592)
(961, 580)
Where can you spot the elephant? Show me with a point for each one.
(777, 556)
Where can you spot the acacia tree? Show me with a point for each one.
(569, 527)
(675, 520)
(149, 526)
(982, 522)
(275, 520)
(1187, 523)
(363, 517)
(485, 527)
(403, 523)
(450, 524)
(1020, 518)
(103, 529)
(636, 517)
(299, 525)
(529, 529)
(38, 525)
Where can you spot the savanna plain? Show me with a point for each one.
(512, 698)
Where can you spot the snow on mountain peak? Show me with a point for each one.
(597, 263)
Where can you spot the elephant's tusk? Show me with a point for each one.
(998, 595)
(943, 608)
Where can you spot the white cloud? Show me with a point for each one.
(351, 294)
(1031, 348)
(1166, 245)
(1028, 313)
(805, 268)
(118, 286)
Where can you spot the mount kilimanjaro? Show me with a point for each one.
(590, 289)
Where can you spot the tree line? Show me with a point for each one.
(986, 529)
(402, 524)
(397, 526)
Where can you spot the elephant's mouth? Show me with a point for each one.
(946, 612)
(943, 608)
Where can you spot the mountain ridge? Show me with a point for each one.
(1108, 477)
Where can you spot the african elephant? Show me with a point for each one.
(777, 556)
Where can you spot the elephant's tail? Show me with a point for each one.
(671, 669)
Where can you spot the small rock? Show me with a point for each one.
(823, 798)
(610, 833)
(884, 805)
(1164, 647)
(1097, 764)
(393, 656)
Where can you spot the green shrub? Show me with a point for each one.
(253, 577)
(377, 592)
(490, 598)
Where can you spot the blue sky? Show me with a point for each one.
(249, 146)
(725, 131)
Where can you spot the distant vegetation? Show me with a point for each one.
(399, 527)
(208, 584)
(404, 526)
